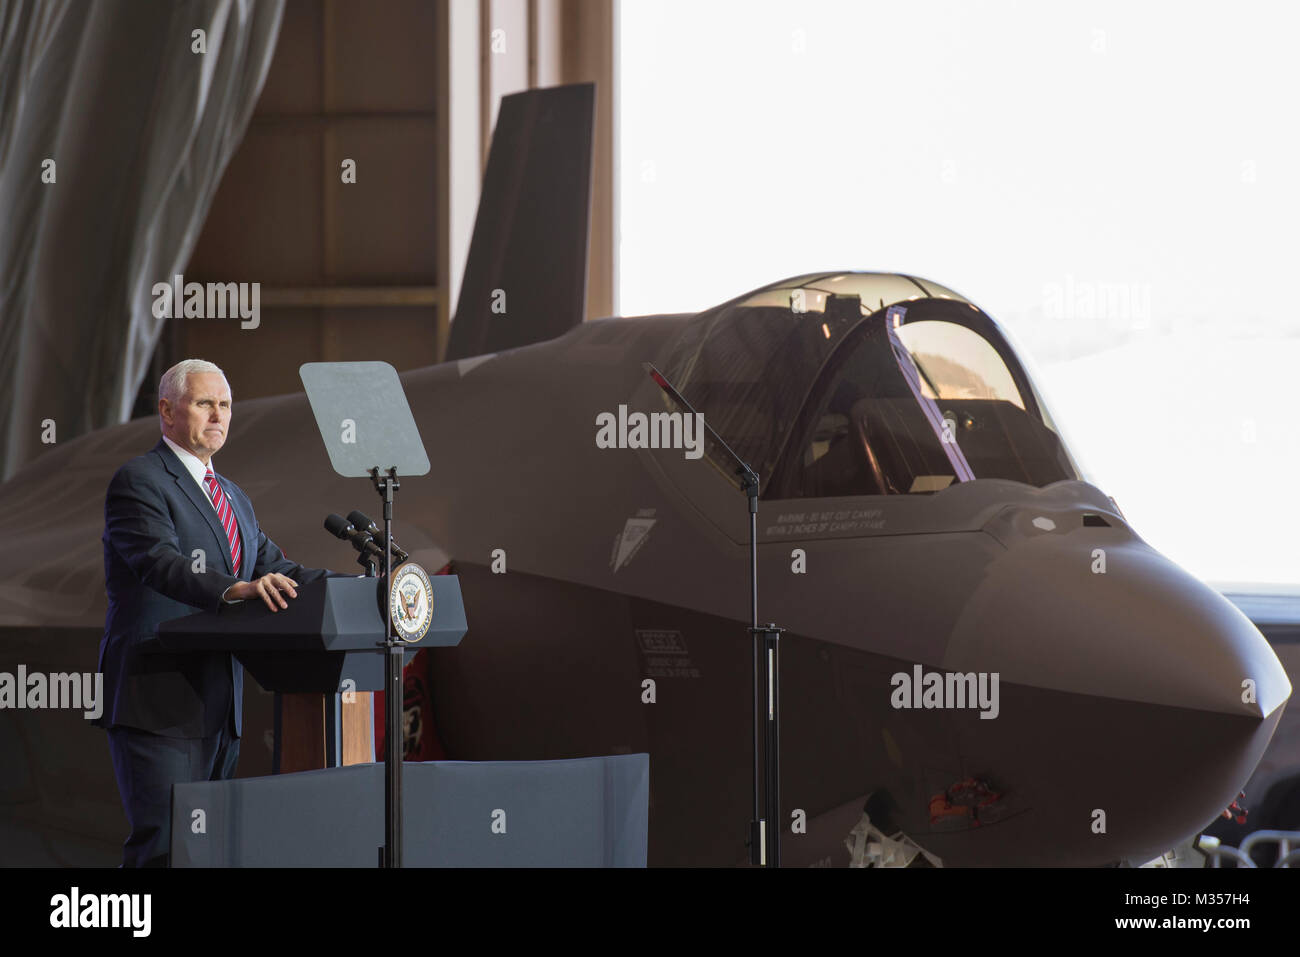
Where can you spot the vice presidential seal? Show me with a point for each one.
(410, 602)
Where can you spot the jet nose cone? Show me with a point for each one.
(1097, 611)
(1135, 700)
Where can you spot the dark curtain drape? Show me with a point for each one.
(140, 128)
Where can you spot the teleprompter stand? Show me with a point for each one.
(765, 830)
(369, 431)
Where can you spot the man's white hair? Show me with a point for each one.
(173, 383)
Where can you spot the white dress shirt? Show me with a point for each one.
(194, 465)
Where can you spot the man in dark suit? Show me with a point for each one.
(178, 537)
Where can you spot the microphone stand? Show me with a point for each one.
(390, 855)
(765, 831)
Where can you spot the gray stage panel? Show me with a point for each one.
(584, 812)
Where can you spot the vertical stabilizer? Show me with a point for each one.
(526, 276)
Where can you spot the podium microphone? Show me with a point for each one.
(362, 521)
(340, 527)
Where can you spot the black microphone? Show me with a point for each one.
(362, 521)
(340, 527)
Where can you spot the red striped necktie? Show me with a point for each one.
(226, 515)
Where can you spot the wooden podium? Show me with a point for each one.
(322, 656)
(309, 727)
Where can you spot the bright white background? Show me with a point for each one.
(1115, 183)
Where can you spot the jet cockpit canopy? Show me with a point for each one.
(835, 384)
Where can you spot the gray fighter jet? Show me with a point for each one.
(982, 656)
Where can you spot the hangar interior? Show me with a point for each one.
(924, 509)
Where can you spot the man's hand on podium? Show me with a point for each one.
(271, 588)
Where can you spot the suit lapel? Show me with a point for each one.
(192, 491)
